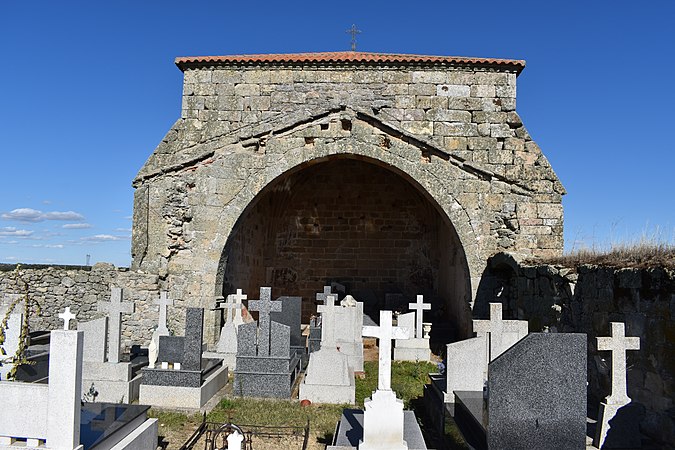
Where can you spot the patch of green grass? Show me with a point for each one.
(407, 380)
(174, 419)
(255, 411)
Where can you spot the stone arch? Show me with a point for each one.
(437, 198)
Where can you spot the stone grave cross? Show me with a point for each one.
(233, 305)
(385, 333)
(419, 308)
(115, 307)
(163, 302)
(328, 320)
(264, 306)
(618, 343)
(66, 316)
(495, 328)
(323, 296)
(12, 332)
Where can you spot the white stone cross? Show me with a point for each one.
(163, 302)
(385, 333)
(233, 305)
(328, 320)
(618, 343)
(419, 308)
(496, 327)
(66, 316)
(264, 306)
(115, 307)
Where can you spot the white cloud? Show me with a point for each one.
(123, 230)
(34, 215)
(10, 258)
(76, 226)
(47, 245)
(105, 238)
(12, 231)
(128, 217)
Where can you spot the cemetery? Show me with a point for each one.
(353, 253)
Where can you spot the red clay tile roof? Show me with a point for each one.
(329, 58)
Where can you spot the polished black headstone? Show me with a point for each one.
(192, 353)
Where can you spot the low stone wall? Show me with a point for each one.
(586, 299)
(81, 288)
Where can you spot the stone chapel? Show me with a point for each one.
(387, 173)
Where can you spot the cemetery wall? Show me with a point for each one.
(81, 288)
(586, 299)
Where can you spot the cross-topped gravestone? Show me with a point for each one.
(264, 306)
(115, 307)
(625, 432)
(66, 316)
(233, 305)
(618, 343)
(385, 333)
(163, 302)
(322, 296)
(496, 328)
(328, 320)
(419, 307)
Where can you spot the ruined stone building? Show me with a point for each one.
(391, 174)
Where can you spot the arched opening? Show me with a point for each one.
(350, 220)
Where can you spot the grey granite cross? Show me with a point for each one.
(419, 308)
(385, 333)
(322, 296)
(233, 304)
(328, 320)
(264, 306)
(66, 316)
(163, 302)
(618, 343)
(115, 307)
(496, 327)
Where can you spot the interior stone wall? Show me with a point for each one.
(350, 222)
(585, 299)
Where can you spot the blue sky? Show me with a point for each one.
(90, 88)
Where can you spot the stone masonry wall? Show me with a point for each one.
(586, 299)
(453, 130)
(81, 288)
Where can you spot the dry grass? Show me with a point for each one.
(642, 254)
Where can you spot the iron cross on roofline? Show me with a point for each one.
(353, 31)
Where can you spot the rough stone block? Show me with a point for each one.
(453, 90)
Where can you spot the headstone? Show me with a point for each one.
(163, 302)
(383, 421)
(348, 334)
(291, 316)
(266, 367)
(613, 430)
(500, 334)
(419, 307)
(226, 347)
(95, 338)
(115, 308)
(328, 378)
(184, 379)
(417, 347)
(466, 367)
(65, 389)
(66, 316)
(264, 306)
(537, 394)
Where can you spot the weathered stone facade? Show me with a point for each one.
(586, 299)
(251, 127)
